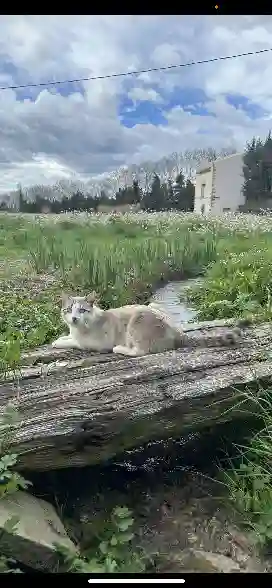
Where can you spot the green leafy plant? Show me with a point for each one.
(239, 283)
(10, 480)
(111, 553)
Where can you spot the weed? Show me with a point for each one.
(238, 284)
(111, 553)
(249, 479)
(10, 480)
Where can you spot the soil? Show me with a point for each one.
(191, 519)
(181, 516)
(174, 523)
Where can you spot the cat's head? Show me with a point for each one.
(79, 311)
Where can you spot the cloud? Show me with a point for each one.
(144, 94)
(88, 128)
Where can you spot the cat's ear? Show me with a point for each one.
(65, 299)
(92, 297)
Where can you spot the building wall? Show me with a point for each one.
(223, 181)
(228, 184)
(203, 188)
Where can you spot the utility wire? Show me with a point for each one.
(134, 73)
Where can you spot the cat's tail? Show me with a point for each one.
(228, 338)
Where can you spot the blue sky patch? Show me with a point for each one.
(190, 99)
(144, 112)
(242, 102)
(148, 112)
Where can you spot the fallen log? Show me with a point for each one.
(78, 408)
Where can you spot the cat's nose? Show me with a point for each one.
(74, 319)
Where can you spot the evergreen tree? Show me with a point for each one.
(21, 200)
(253, 186)
(103, 198)
(188, 196)
(170, 197)
(129, 194)
(90, 202)
(137, 193)
(77, 201)
(267, 166)
(56, 206)
(179, 191)
(156, 198)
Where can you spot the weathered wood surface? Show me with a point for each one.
(78, 408)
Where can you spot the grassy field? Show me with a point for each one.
(123, 259)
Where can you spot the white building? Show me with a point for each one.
(219, 185)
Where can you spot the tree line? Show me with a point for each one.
(178, 194)
(171, 194)
(257, 169)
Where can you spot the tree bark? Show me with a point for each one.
(78, 408)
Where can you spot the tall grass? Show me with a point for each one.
(239, 283)
(123, 258)
(249, 479)
(85, 261)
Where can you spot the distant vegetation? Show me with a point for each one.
(178, 195)
(167, 187)
(159, 185)
(257, 170)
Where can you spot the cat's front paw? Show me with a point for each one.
(65, 342)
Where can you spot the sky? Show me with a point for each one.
(81, 130)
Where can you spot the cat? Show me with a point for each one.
(132, 330)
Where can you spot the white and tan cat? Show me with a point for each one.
(132, 330)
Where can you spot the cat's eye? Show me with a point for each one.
(68, 309)
(82, 310)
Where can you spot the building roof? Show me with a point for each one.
(229, 156)
(206, 164)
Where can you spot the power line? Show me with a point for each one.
(134, 73)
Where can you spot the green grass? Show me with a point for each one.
(123, 258)
(120, 259)
(239, 283)
(249, 478)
